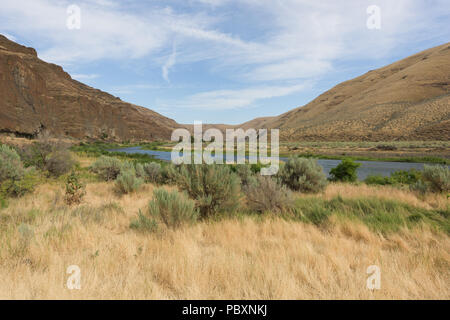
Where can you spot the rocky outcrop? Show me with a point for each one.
(37, 96)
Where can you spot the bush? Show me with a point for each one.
(127, 182)
(214, 187)
(60, 162)
(169, 174)
(36, 154)
(108, 168)
(305, 175)
(378, 180)
(245, 173)
(75, 190)
(143, 223)
(420, 187)
(152, 172)
(266, 195)
(406, 176)
(345, 171)
(47, 154)
(19, 187)
(139, 169)
(437, 178)
(11, 167)
(172, 208)
(398, 177)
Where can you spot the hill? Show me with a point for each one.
(38, 96)
(407, 100)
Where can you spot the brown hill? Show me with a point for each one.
(37, 96)
(407, 100)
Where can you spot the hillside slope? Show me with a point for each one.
(39, 96)
(407, 100)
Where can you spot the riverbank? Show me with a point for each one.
(437, 152)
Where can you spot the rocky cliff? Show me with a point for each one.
(37, 96)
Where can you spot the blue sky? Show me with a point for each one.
(223, 61)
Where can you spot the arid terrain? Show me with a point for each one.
(408, 101)
(319, 251)
(39, 96)
(141, 228)
(240, 257)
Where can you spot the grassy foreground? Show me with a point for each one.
(239, 257)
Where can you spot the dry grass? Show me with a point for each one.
(229, 259)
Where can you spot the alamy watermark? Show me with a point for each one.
(374, 280)
(374, 20)
(74, 280)
(73, 21)
(190, 149)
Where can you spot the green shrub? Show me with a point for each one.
(267, 195)
(245, 173)
(36, 154)
(378, 180)
(214, 187)
(140, 173)
(420, 187)
(169, 173)
(127, 182)
(437, 178)
(301, 174)
(11, 167)
(401, 177)
(345, 171)
(153, 172)
(108, 168)
(144, 223)
(172, 208)
(407, 177)
(75, 190)
(18, 188)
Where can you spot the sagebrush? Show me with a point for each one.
(214, 187)
(174, 209)
(304, 175)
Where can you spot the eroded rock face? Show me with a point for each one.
(37, 96)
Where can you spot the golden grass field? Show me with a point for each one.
(234, 258)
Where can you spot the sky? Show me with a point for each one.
(223, 61)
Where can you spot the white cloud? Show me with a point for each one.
(296, 39)
(234, 99)
(169, 64)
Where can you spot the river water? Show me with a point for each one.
(367, 167)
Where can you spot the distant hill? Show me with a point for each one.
(407, 100)
(38, 96)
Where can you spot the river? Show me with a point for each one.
(367, 168)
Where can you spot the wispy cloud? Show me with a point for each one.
(169, 64)
(286, 42)
(235, 99)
